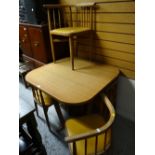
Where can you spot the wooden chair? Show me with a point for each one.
(79, 21)
(44, 100)
(90, 134)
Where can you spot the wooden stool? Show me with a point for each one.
(23, 70)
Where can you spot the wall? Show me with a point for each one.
(114, 43)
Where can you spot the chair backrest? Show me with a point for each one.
(96, 134)
(37, 95)
(84, 16)
(55, 15)
(81, 15)
(41, 98)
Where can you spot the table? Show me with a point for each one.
(72, 87)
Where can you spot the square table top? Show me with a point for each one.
(72, 86)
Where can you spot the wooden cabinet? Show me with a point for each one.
(24, 40)
(35, 43)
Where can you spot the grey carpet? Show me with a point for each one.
(123, 141)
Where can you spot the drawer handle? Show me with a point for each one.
(23, 40)
(36, 44)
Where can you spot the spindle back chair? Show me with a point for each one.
(69, 22)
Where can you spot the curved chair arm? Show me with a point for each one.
(100, 130)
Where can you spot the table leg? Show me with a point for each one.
(59, 112)
(111, 92)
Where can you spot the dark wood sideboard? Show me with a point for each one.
(35, 44)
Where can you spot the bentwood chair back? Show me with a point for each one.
(69, 22)
(90, 134)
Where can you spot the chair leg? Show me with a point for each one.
(36, 107)
(52, 48)
(71, 51)
(76, 45)
(45, 109)
(91, 46)
(59, 113)
(108, 152)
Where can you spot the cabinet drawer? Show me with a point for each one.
(24, 40)
(37, 44)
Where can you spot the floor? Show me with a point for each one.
(123, 142)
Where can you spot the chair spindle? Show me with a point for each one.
(49, 19)
(59, 16)
(74, 148)
(105, 139)
(86, 146)
(96, 142)
(54, 19)
(70, 13)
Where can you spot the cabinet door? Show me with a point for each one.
(24, 40)
(37, 44)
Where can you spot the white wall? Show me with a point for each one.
(125, 101)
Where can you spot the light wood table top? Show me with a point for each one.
(72, 86)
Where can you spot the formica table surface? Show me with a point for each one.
(73, 86)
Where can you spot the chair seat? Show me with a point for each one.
(67, 31)
(47, 99)
(75, 126)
